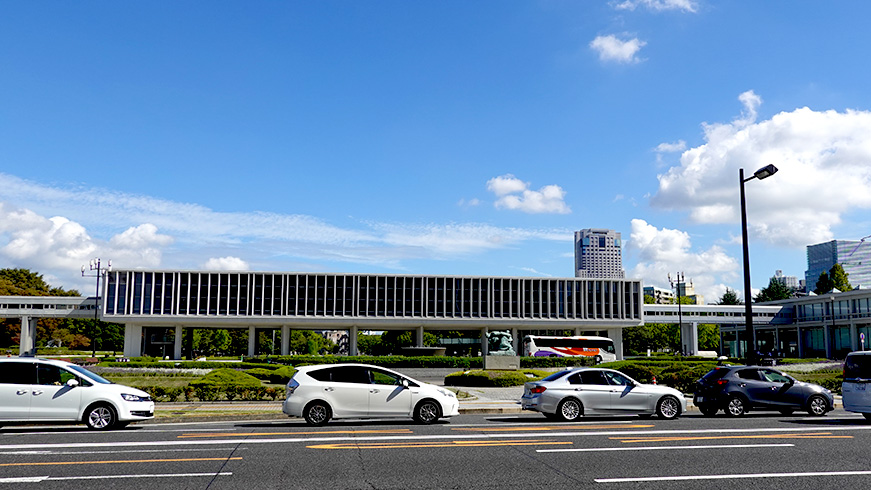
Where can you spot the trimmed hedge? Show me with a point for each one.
(679, 375)
(490, 378)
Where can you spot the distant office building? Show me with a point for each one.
(598, 254)
(854, 256)
(788, 281)
(685, 290)
(660, 296)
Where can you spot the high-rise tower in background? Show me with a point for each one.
(598, 253)
(853, 255)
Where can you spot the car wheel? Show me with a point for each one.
(867, 416)
(736, 407)
(708, 411)
(787, 411)
(100, 417)
(817, 406)
(598, 359)
(426, 412)
(570, 410)
(317, 413)
(668, 408)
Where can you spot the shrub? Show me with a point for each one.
(227, 381)
(260, 373)
(282, 375)
(492, 378)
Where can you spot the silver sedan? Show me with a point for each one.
(571, 394)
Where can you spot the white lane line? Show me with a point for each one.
(732, 477)
(37, 479)
(489, 435)
(46, 453)
(659, 448)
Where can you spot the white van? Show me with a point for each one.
(856, 388)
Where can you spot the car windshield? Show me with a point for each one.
(96, 378)
(857, 366)
(556, 375)
(715, 374)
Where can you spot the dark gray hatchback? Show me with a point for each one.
(739, 389)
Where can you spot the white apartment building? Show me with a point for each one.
(598, 254)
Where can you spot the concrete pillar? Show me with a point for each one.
(577, 331)
(828, 340)
(352, 341)
(176, 351)
(854, 336)
(418, 337)
(285, 340)
(132, 340)
(27, 343)
(516, 342)
(616, 334)
(689, 336)
(252, 340)
(485, 348)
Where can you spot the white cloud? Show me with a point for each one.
(612, 48)
(658, 5)
(226, 264)
(139, 231)
(675, 147)
(823, 161)
(660, 252)
(515, 194)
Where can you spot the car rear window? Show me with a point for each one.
(556, 375)
(857, 366)
(715, 374)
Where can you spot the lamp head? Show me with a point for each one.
(765, 172)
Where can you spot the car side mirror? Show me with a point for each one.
(72, 383)
(790, 381)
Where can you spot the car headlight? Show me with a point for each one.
(447, 393)
(134, 398)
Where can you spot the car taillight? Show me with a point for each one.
(722, 382)
(537, 389)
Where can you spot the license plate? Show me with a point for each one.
(700, 398)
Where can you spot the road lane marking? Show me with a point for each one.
(731, 477)
(37, 479)
(494, 435)
(50, 452)
(812, 435)
(556, 427)
(238, 434)
(117, 461)
(407, 445)
(658, 448)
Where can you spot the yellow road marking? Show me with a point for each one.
(411, 445)
(555, 427)
(807, 435)
(306, 433)
(175, 460)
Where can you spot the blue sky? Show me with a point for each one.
(462, 138)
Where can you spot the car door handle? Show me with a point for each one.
(21, 392)
(742, 385)
(37, 392)
(328, 389)
(773, 388)
(374, 391)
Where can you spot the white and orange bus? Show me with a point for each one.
(600, 348)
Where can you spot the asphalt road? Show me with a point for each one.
(760, 450)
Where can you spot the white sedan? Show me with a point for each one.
(571, 394)
(341, 391)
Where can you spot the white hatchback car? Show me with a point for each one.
(342, 391)
(34, 390)
(571, 394)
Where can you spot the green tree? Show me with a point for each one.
(839, 278)
(730, 297)
(824, 284)
(775, 290)
(221, 341)
(649, 300)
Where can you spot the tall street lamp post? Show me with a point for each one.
(96, 267)
(675, 284)
(762, 173)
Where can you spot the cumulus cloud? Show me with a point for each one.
(226, 264)
(515, 194)
(823, 161)
(612, 48)
(154, 233)
(663, 251)
(658, 5)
